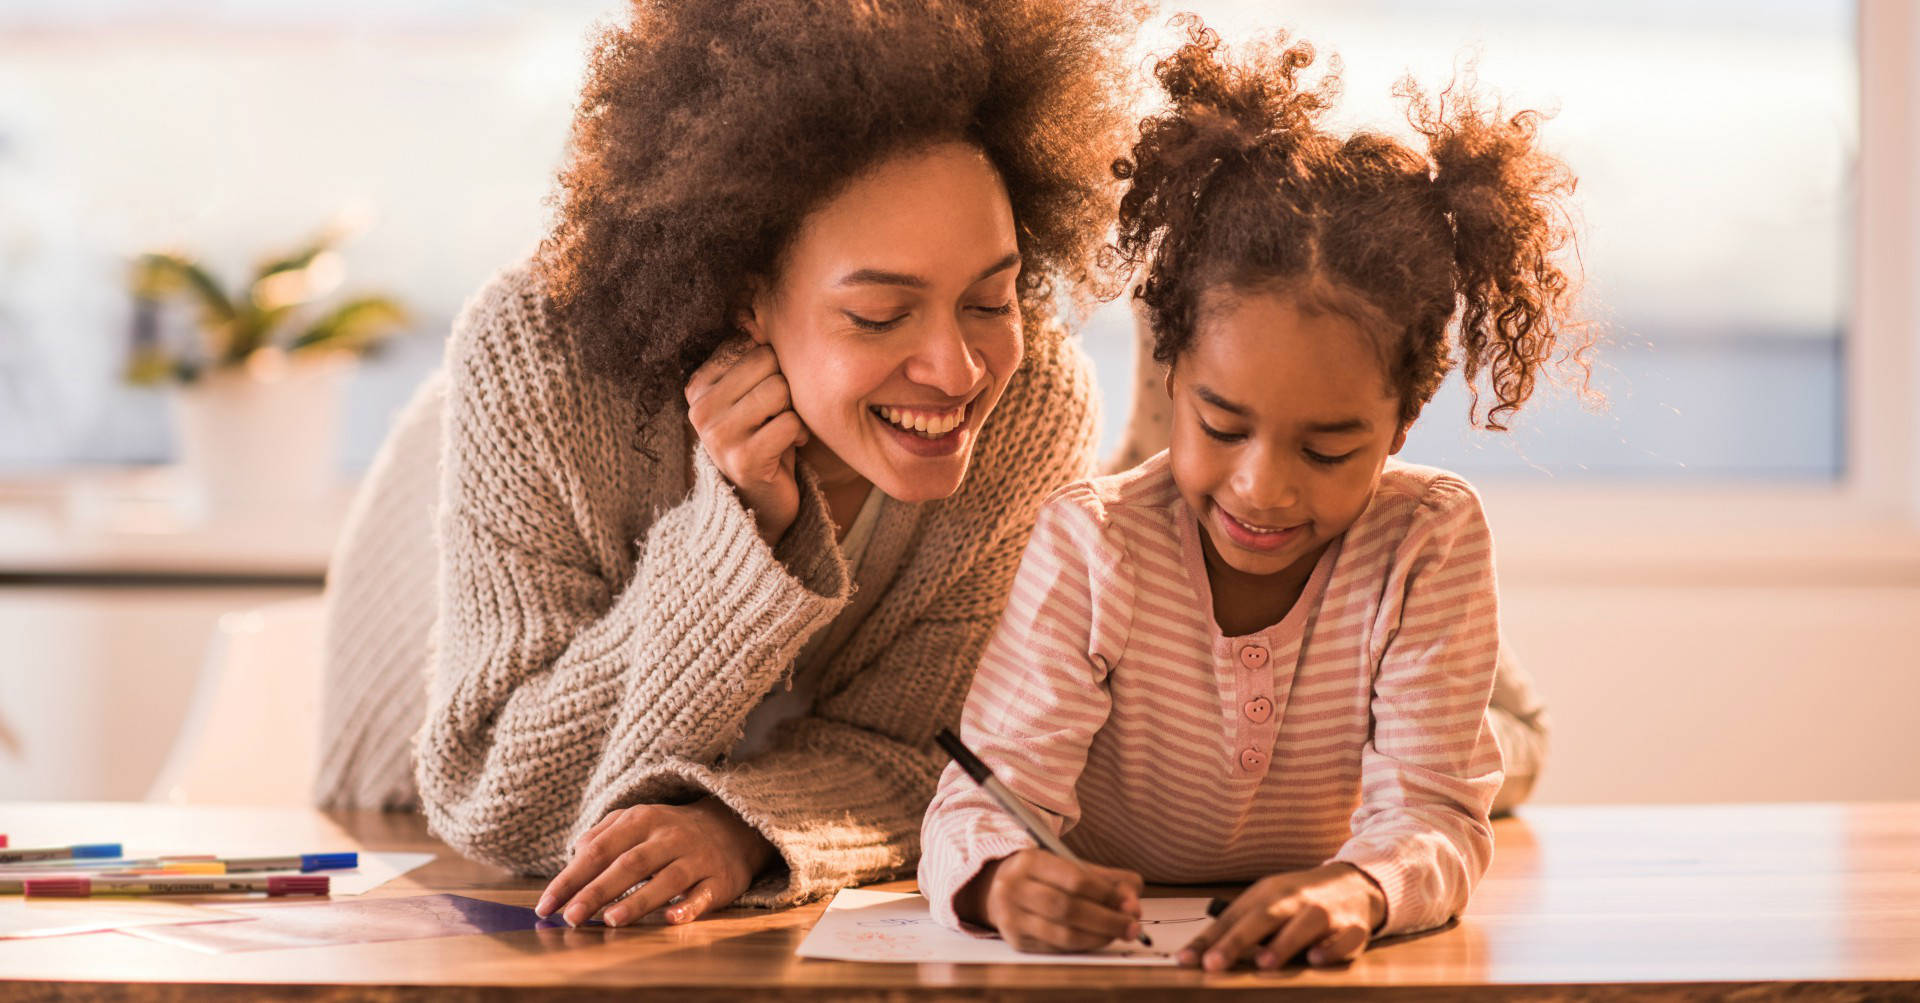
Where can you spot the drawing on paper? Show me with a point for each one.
(862, 925)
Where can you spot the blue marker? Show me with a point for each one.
(82, 851)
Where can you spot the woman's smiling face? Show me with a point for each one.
(1282, 424)
(896, 321)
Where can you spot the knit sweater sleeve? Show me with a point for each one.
(842, 791)
(1431, 766)
(561, 665)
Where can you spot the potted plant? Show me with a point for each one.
(257, 384)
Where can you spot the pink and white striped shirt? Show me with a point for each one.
(1354, 729)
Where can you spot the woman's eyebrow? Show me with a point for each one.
(881, 277)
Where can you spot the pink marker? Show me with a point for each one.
(276, 886)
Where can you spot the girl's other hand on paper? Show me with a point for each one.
(701, 853)
(1330, 912)
(1041, 903)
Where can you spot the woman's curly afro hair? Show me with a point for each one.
(707, 130)
(1237, 184)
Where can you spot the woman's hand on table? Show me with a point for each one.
(742, 410)
(701, 853)
(1041, 903)
(1330, 912)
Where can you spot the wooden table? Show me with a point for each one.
(1587, 903)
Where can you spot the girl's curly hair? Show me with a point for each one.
(1237, 184)
(707, 130)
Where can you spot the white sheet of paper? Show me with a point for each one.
(861, 925)
(58, 917)
(375, 869)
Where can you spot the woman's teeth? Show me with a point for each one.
(928, 424)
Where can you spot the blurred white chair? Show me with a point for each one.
(250, 732)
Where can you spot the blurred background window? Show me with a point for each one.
(1715, 143)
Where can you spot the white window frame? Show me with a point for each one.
(1864, 529)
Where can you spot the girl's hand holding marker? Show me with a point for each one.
(1043, 903)
(1047, 899)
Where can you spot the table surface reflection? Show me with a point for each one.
(1587, 902)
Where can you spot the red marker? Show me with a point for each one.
(78, 887)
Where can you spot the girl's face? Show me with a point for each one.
(895, 320)
(1282, 421)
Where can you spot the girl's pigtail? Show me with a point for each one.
(1503, 197)
(1222, 117)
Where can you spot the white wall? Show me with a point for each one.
(1723, 692)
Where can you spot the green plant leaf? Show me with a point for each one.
(149, 368)
(353, 325)
(162, 274)
(294, 261)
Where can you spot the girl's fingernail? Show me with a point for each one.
(1265, 960)
(545, 908)
(677, 915)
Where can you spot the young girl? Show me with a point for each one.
(1267, 652)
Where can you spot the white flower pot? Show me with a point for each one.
(264, 438)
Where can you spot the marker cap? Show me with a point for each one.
(3, 840)
(104, 851)
(298, 884)
(328, 861)
(58, 887)
(963, 755)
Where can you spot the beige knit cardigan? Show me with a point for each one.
(607, 614)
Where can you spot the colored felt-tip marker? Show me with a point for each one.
(303, 862)
(1013, 803)
(82, 887)
(82, 851)
(15, 882)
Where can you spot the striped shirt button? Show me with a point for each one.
(1251, 759)
(1254, 657)
(1258, 710)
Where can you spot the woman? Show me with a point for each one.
(736, 472)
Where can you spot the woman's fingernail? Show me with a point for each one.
(545, 908)
(677, 915)
(614, 917)
(1187, 958)
(1266, 959)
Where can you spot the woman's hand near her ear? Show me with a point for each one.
(743, 413)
